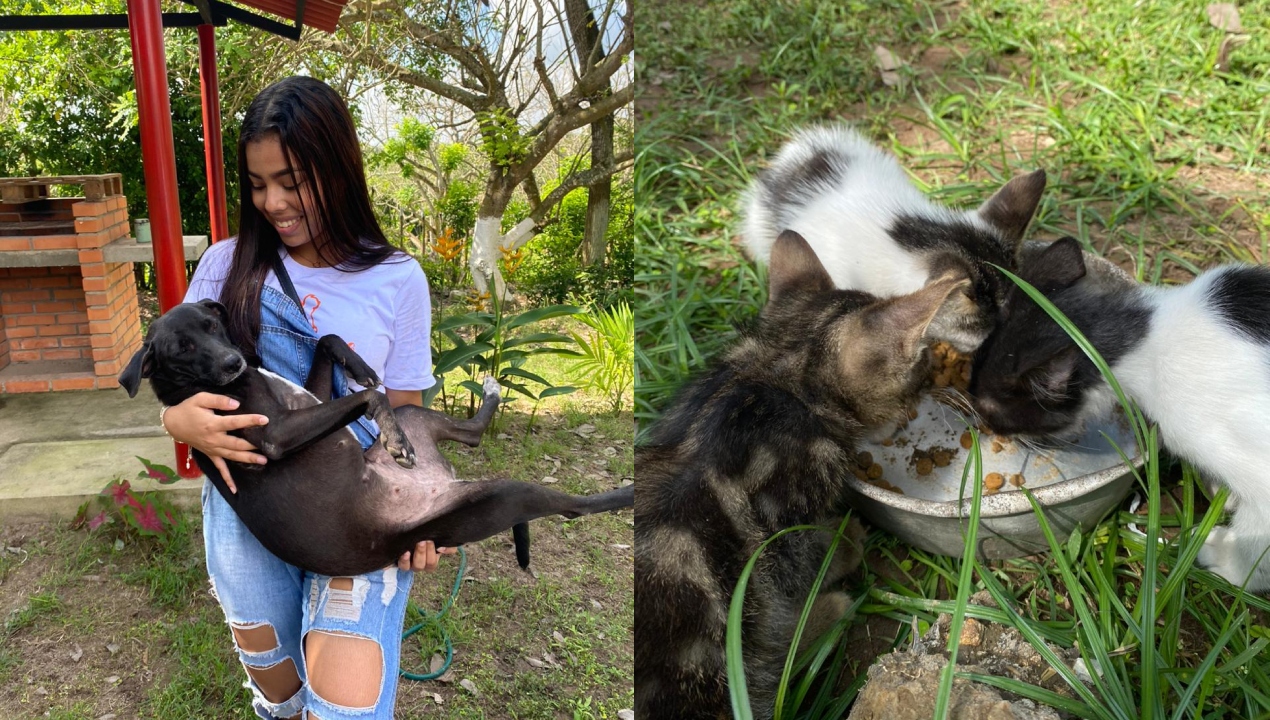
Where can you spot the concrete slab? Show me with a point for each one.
(59, 449)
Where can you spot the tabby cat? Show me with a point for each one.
(761, 442)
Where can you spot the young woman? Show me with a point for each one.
(310, 643)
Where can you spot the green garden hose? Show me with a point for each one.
(435, 619)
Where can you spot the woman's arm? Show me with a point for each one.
(195, 423)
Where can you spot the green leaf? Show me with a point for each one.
(557, 390)
(517, 372)
(539, 314)
(455, 357)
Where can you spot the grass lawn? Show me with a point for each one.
(1156, 160)
(90, 627)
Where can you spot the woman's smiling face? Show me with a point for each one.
(281, 198)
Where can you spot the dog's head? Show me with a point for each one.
(186, 350)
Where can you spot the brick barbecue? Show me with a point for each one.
(69, 317)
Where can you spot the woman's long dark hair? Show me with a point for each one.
(318, 137)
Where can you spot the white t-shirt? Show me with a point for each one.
(383, 312)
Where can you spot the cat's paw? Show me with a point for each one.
(1220, 554)
(491, 387)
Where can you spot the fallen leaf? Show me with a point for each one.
(585, 430)
(1224, 16)
(112, 679)
(610, 452)
(889, 66)
(535, 662)
(548, 480)
(595, 605)
(108, 716)
(504, 436)
(436, 698)
(1228, 43)
(447, 677)
(41, 691)
(436, 663)
(558, 637)
(112, 647)
(77, 653)
(551, 659)
(621, 547)
(468, 685)
(625, 715)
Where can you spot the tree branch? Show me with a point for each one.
(621, 161)
(560, 125)
(465, 98)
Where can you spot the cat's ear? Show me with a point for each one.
(905, 319)
(794, 265)
(1059, 266)
(1050, 381)
(1012, 207)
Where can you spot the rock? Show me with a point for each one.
(112, 680)
(468, 685)
(595, 605)
(41, 691)
(77, 653)
(625, 715)
(549, 480)
(971, 632)
(108, 716)
(557, 636)
(610, 452)
(436, 698)
(112, 647)
(903, 686)
(535, 662)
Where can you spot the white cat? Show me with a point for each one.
(874, 231)
(1195, 358)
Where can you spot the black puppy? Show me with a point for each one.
(320, 503)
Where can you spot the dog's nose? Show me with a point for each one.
(232, 364)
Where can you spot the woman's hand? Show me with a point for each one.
(194, 423)
(425, 557)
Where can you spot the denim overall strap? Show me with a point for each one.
(286, 345)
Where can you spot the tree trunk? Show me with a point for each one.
(586, 41)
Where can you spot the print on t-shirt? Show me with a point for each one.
(317, 303)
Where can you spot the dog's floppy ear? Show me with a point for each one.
(140, 366)
(220, 309)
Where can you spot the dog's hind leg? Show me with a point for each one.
(472, 511)
(468, 432)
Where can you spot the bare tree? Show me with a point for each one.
(514, 67)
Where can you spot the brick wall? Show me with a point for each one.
(85, 314)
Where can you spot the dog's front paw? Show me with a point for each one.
(359, 372)
(399, 447)
(491, 387)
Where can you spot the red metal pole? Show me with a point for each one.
(212, 143)
(158, 160)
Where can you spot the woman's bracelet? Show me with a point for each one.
(162, 410)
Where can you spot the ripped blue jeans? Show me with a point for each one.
(283, 614)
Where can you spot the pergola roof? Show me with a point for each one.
(321, 14)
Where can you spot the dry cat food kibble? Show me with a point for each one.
(1017, 480)
(925, 460)
(993, 481)
(949, 368)
(966, 440)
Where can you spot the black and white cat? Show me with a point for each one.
(1195, 358)
(875, 232)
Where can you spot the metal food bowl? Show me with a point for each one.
(1075, 484)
